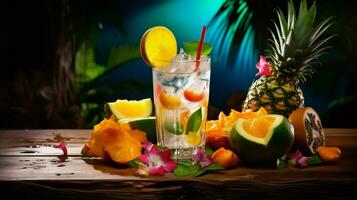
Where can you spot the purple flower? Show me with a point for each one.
(202, 158)
(263, 67)
(298, 160)
(157, 162)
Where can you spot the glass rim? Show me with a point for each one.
(204, 59)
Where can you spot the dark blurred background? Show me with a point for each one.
(62, 60)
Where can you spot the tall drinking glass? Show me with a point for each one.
(181, 93)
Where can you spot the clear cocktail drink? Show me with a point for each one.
(181, 92)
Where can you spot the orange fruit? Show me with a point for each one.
(193, 96)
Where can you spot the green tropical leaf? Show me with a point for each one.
(282, 163)
(174, 127)
(191, 48)
(194, 122)
(122, 54)
(315, 160)
(133, 163)
(182, 170)
(214, 167)
(187, 163)
(199, 172)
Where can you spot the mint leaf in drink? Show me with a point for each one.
(194, 122)
(174, 127)
(191, 48)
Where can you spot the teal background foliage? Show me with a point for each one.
(77, 55)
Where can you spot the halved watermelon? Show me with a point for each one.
(262, 139)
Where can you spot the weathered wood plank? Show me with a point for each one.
(11, 138)
(75, 168)
(45, 174)
(180, 189)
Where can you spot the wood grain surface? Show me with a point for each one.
(31, 168)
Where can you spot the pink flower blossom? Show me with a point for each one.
(263, 66)
(157, 162)
(298, 160)
(202, 158)
(63, 147)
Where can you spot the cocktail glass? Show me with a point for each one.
(181, 92)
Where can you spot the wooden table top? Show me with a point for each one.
(30, 164)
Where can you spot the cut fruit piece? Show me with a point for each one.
(309, 133)
(158, 46)
(262, 139)
(169, 101)
(193, 96)
(218, 131)
(114, 141)
(225, 157)
(122, 109)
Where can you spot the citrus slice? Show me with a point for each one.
(158, 46)
(122, 109)
(169, 101)
(194, 138)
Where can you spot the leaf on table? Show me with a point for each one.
(198, 172)
(133, 163)
(208, 151)
(182, 170)
(187, 163)
(214, 167)
(315, 160)
(282, 163)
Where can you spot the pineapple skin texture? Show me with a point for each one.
(275, 95)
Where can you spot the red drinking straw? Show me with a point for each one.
(199, 49)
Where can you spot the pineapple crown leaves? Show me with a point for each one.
(296, 44)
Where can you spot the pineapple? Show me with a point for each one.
(293, 48)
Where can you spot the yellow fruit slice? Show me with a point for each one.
(122, 109)
(158, 46)
(194, 138)
(258, 127)
(169, 101)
